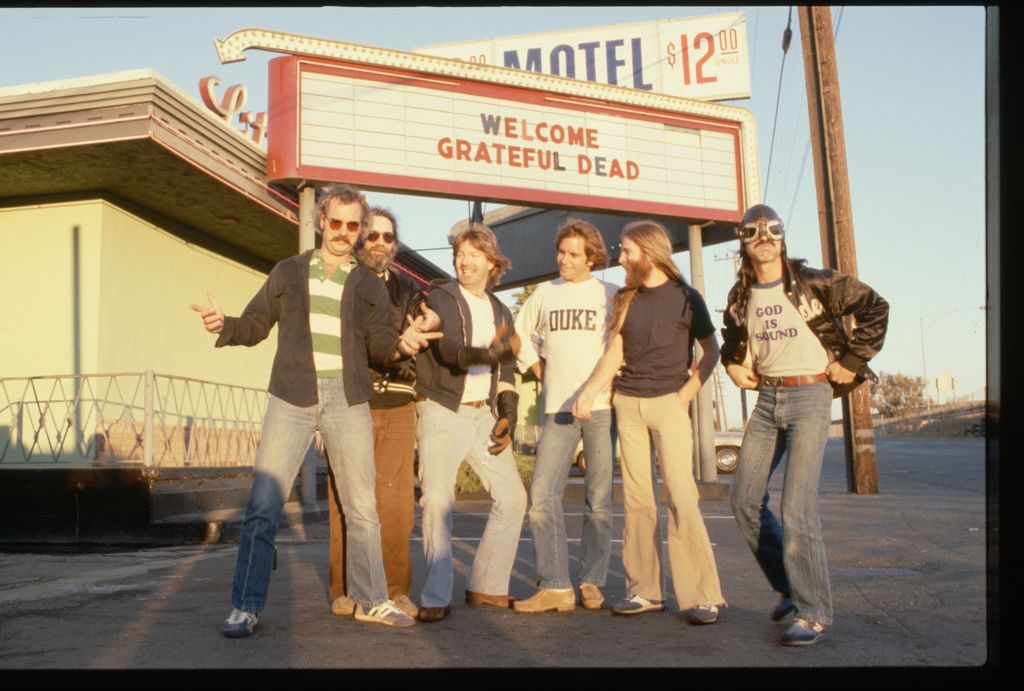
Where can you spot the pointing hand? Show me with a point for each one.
(213, 317)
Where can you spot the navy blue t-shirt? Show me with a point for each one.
(657, 339)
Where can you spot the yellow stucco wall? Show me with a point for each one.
(38, 282)
(135, 282)
(149, 279)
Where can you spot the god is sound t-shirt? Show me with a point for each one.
(780, 341)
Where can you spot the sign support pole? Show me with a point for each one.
(307, 241)
(704, 437)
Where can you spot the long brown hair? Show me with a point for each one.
(747, 277)
(652, 239)
(593, 243)
(482, 238)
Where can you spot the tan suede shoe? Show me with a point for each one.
(343, 607)
(403, 603)
(547, 600)
(591, 596)
(502, 601)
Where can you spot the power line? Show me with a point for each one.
(787, 36)
(807, 147)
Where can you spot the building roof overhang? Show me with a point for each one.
(136, 137)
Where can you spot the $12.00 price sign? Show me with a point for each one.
(703, 58)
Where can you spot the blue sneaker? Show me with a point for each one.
(634, 604)
(783, 609)
(240, 624)
(803, 632)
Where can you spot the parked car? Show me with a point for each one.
(727, 452)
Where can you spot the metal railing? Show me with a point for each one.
(525, 439)
(128, 419)
(947, 420)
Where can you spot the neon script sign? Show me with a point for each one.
(254, 125)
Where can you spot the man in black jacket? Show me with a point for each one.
(784, 336)
(320, 380)
(466, 410)
(394, 433)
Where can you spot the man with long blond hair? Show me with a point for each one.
(466, 410)
(568, 316)
(656, 319)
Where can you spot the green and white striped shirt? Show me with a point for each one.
(325, 315)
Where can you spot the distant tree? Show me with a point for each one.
(897, 393)
(521, 297)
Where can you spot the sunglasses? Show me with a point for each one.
(351, 226)
(773, 229)
(374, 235)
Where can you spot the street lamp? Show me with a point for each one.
(924, 367)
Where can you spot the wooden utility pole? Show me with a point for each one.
(835, 217)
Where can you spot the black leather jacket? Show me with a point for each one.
(822, 297)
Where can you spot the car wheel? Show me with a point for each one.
(581, 462)
(727, 458)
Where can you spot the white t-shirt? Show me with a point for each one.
(781, 343)
(478, 377)
(565, 323)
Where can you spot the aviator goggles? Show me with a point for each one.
(375, 235)
(351, 226)
(749, 231)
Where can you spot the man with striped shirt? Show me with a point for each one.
(333, 318)
(394, 433)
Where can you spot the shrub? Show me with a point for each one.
(467, 481)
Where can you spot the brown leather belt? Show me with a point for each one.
(795, 380)
(471, 404)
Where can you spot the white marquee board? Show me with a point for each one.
(387, 128)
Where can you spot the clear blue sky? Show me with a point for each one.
(912, 87)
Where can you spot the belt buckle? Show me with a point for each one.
(772, 381)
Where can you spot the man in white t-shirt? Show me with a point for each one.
(568, 315)
(466, 410)
(784, 337)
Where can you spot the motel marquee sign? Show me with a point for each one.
(398, 121)
(703, 58)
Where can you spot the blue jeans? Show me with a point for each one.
(446, 438)
(557, 446)
(792, 421)
(285, 437)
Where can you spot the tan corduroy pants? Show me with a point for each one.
(694, 575)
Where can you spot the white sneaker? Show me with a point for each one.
(385, 613)
(240, 624)
(703, 614)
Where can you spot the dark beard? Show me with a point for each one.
(376, 262)
(638, 272)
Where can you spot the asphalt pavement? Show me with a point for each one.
(908, 569)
